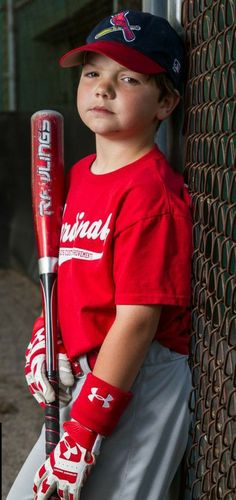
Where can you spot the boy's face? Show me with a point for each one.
(116, 102)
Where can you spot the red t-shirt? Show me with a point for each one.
(125, 239)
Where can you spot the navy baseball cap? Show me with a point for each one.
(137, 40)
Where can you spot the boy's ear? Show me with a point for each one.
(166, 106)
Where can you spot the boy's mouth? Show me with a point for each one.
(101, 110)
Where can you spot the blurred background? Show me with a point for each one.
(33, 36)
(199, 140)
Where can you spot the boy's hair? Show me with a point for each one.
(165, 85)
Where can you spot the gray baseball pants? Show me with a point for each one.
(139, 461)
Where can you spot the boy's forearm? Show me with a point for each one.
(126, 344)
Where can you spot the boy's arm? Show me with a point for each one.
(126, 344)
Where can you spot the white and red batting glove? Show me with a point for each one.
(35, 368)
(95, 414)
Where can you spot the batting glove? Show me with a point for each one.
(69, 464)
(35, 368)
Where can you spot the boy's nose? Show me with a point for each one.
(105, 89)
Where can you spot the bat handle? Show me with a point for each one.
(52, 427)
(48, 278)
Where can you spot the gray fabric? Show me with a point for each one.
(140, 460)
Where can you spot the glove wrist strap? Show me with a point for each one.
(38, 324)
(80, 434)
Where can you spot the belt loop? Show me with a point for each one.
(83, 361)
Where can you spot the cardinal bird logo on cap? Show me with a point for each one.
(120, 23)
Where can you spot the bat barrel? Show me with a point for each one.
(47, 180)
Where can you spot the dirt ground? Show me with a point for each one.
(21, 417)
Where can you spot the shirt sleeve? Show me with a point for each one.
(152, 261)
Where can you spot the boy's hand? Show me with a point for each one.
(35, 368)
(69, 464)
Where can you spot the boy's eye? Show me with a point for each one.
(91, 74)
(130, 79)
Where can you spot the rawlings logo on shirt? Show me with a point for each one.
(82, 229)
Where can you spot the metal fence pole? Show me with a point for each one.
(11, 57)
(169, 137)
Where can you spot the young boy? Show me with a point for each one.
(123, 281)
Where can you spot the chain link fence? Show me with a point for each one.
(211, 173)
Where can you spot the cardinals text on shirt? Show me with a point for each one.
(83, 228)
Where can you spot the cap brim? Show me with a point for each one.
(124, 55)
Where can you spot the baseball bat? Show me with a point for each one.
(47, 201)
